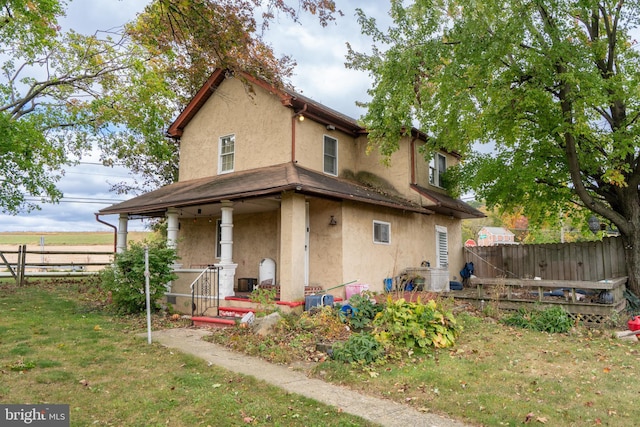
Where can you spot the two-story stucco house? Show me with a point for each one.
(266, 173)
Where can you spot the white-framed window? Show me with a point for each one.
(381, 232)
(330, 150)
(442, 246)
(437, 167)
(227, 149)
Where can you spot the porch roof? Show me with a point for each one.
(255, 183)
(446, 205)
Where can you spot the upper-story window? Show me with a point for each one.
(330, 155)
(437, 167)
(227, 154)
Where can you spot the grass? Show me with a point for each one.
(66, 238)
(59, 345)
(497, 375)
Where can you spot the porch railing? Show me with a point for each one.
(205, 290)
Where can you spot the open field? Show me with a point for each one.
(66, 238)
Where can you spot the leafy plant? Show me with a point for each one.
(126, 281)
(364, 310)
(551, 319)
(416, 326)
(359, 348)
(265, 298)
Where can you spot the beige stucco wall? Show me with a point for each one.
(370, 263)
(396, 173)
(196, 243)
(325, 243)
(310, 146)
(413, 240)
(255, 237)
(261, 125)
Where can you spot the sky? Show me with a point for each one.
(320, 75)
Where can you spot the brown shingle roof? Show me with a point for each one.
(447, 205)
(253, 183)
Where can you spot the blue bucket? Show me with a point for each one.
(388, 284)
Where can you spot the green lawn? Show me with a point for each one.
(58, 345)
(494, 375)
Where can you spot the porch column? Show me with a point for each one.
(121, 241)
(228, 271)
(172, 228)
(292, 241)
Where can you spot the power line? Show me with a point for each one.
(87, 200)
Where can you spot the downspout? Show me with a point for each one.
(413, 161)
(295, 117)
(115, 231)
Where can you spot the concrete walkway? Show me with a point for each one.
(381, 411)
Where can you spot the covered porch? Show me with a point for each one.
(286, 213)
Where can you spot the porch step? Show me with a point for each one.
(235, 311)
(213, 322)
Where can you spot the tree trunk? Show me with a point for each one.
(632, 255)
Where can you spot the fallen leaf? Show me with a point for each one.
(529, 417)
(541, 420)
(606, 370)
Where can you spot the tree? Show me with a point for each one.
(62, 93)
(553, 84)
(58, 93)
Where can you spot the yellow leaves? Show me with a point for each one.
(615, 177)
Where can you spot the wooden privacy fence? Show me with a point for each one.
(587, 279)
(588, 261)
(22, 263)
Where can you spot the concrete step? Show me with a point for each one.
(235, 311)
(213, 322)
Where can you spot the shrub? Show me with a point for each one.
(364, 310)
(359, 348)
(416, 326)
(125, 280)
(551, 319)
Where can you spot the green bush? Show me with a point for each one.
(359, 348)
(364, 310)
(416, 326)
(551, 319)
(125, 280)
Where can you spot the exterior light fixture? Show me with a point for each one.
(333, 221)
(301, 118)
